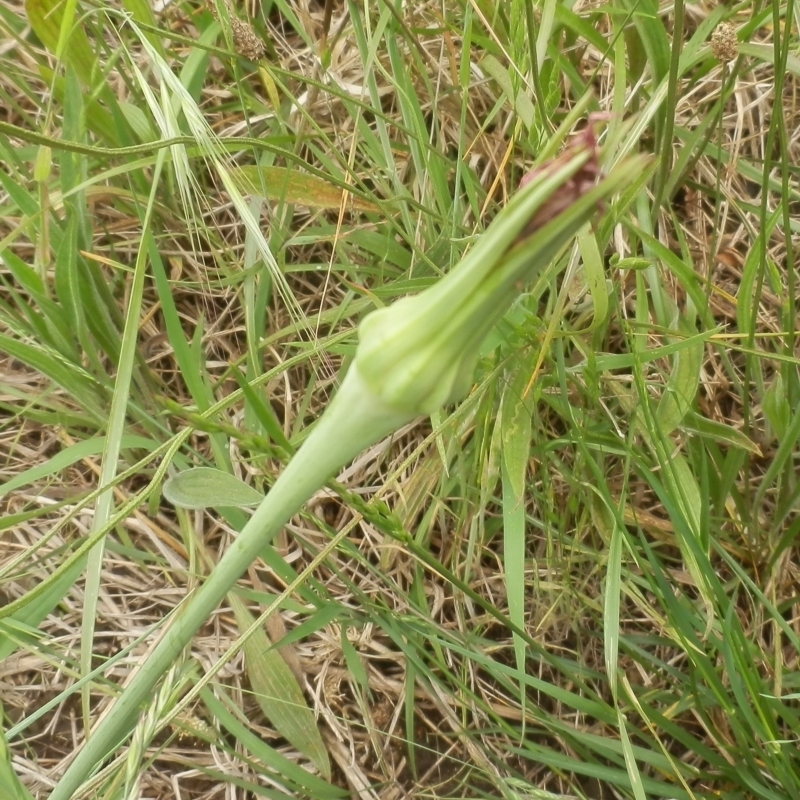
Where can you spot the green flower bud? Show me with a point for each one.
(420, 353)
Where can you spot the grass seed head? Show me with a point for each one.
(724, 43)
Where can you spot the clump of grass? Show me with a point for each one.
(579, 581)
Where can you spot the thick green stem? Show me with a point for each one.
(354, 420)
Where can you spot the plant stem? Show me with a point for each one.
(354, 420)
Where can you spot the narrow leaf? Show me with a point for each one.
(46, 18)
(776, 406)
(516, 435)
(681, 387)
(292, 186)
(10, 786)
(278, 693)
